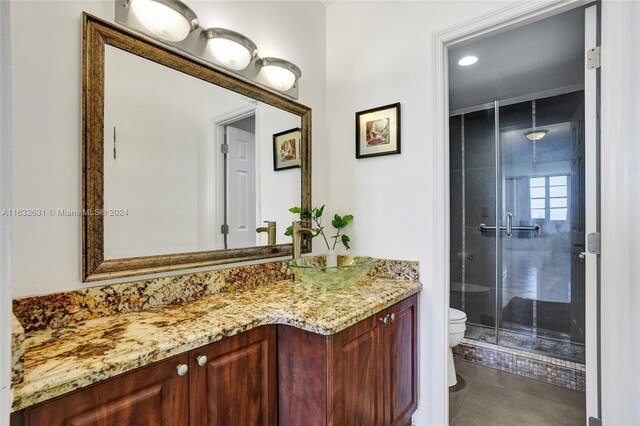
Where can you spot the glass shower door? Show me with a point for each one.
(539, 208)
(473, 203)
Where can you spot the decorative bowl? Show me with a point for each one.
(313, 270)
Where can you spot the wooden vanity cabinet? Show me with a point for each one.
(364, 375)
(151, 395)
(235, 386)
(401, 362)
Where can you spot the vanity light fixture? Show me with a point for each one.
(280, 74)
(231, 49)
(171, 20)
(468, 60)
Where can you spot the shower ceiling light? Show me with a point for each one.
(468, 60)
(280, 74)
(170, 20)
(536, 135)
(231, 49)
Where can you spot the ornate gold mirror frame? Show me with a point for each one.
(96, 34)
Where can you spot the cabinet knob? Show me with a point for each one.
(201, 360)
(182, 369)
(385, 319)
(392, 316)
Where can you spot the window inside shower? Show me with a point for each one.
(517, 222)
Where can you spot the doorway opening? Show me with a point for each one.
(522, 192)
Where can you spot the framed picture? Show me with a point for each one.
(286, 149)
(378, 131)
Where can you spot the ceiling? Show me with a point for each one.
(538, 57)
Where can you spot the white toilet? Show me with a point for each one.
(457, 326)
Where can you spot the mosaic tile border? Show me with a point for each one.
(63, 309)
(559, 372)
(550, 347)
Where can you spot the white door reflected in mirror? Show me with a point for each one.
(241, 186)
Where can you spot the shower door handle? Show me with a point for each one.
(509, 225)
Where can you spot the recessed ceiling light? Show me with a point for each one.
(467, 60)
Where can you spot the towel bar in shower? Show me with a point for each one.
(536, 228)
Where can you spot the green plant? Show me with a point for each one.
(315, 215)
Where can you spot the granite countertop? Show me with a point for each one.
(59, 360)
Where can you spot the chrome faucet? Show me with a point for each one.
(298, 231)
(270, 229)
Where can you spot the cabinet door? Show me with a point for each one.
(237, 385)
(356, 375)
(400, 362)
(302, 377)
(152, 395)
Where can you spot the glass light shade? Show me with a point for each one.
(280, 78)
(231, 54)
(280, 74)
(166, 22)
(536, 135)
(231, 49)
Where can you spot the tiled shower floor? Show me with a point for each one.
(554, 348)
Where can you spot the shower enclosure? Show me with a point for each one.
(517, 223)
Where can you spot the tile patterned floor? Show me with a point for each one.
(496, 398)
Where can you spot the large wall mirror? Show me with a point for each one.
(182, 163)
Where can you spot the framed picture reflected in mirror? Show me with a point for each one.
(286, 149)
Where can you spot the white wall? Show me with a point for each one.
(379, 53)
(5, 221)
(47, 154)
(47, 114)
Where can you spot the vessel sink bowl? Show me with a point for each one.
(313, 270)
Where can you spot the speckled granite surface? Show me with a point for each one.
(62, 309)
(17, 350)
(114, 329)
